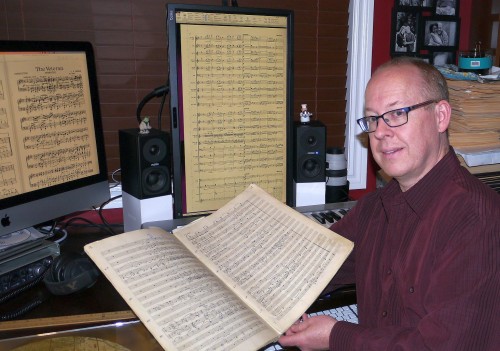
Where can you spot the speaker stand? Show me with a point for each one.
(307, 194)
(138, 211)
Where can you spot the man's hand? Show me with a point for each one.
(310, 333)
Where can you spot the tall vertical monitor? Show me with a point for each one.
(230, 76)
(52, 159)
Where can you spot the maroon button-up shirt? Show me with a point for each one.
(426, 265)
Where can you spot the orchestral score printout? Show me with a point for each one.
(46, 122)
(234, 88)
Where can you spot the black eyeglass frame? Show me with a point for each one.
(406, 110)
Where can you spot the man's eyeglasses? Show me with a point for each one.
(394, 118)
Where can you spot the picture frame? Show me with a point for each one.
(404, 33)
(439, 33)
(447, 8)
(432, 25)
(415, 4)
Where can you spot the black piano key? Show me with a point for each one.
(335, 215)
(344, 212)
(327, 216)
(318, 218)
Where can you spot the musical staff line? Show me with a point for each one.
(43, 84)
(47, 122)
(235, 88)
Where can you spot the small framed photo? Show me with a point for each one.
(416, 4)
(442, 58)
(440, 32)
(447, 7)
(429, 3)
(404, 37)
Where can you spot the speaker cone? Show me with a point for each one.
(154, 150)
(310, 167)
(155, 180)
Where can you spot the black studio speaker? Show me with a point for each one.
(309, 153)
(309, 163)
(146, 177)
(145, 163)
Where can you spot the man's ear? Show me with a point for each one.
(443, 115)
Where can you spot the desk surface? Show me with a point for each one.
(98, 304)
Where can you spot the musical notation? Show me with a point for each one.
(4, 123)
(49, 141)
(51, 120)
(50, 102)
(48, 125)
(190, 288)
(238, 263)
(190, 307)
(5, 146)
(235, 115)
(7, 179)
(60, 175)
(43, 84)
(234, 19)
(40, 160)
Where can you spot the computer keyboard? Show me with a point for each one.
(345, 313)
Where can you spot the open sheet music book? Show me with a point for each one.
(234, 280)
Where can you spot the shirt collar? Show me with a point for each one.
(420, 195)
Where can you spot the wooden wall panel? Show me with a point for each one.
(129, 37)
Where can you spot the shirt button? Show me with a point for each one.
(412, 290)
(384, 314)
(389, 271)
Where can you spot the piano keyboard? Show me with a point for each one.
(344, 313)
(326, 214)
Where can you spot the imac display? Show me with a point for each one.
(52, 159)
(230, 76)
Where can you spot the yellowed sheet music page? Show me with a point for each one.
(9, 167)
(183, 305)
(234, 87)
(47, 119)
(277, 260)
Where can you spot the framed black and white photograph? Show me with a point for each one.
(429, 3)
(404, 37)
(420, 4)
(447, 7)
(440, 32)
(442, 58)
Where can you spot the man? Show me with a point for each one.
(426, 246)
(442, 34)
(445, 7)
(410, 40)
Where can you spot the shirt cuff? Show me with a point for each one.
(343, 335)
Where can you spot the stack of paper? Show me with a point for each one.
(475, 121)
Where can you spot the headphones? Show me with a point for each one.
(70, 272)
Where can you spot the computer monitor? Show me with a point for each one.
(52, 160)
(230, 77)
